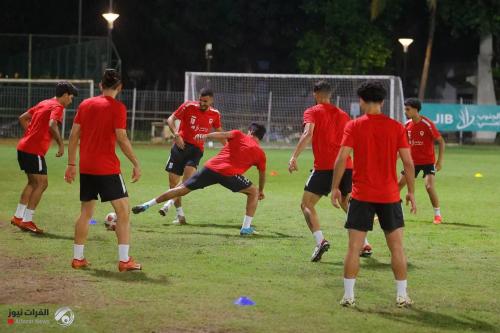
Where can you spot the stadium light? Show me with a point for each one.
(208, 55)
(110, 17)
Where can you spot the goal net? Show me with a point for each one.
(18, 95)
(279, 100)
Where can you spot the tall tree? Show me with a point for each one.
(432, 4)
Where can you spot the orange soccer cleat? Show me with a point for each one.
(79, 263)
(16, 221)
(30, 226)
(437, 219)
(129, 265)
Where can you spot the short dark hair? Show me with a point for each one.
(64, 87)
(257, 130)
(372, 91)
(414, 103)
(206, 92)
(322, 86)
(111, 78)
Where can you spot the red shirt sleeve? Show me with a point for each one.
(348, 138)
(120, 119)
(235, 134)
(402, 138)
(57, 113)
(434, 131)
(309, 117)
(77, 119)
(180, 112)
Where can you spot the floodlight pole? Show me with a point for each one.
(208, 55)
(405, 42)
(110, 17)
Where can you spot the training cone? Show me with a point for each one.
(273, 173)
(244, 301)
(92, 221)
(478, 175)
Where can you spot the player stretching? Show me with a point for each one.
(195, 118)
(324, 123)
(227, 168)
(375, 141)
(99, 123)
(422, 133)
(40, 125)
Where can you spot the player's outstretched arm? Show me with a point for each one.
(439, 162)
(338, 172)
(222, 141)
(126, 147)
(304, 140)
(25, 119)
(54, 130)
(214, 135)
(74, 137)
(405, 155)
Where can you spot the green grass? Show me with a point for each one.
(192, 274)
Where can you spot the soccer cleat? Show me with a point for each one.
(248, 231)
(139, 209)
(16, 221)
(403, 302)
(180, 220)
(366, 252)
(319, 250)
(437, 219)
(163, 211)
(30, 226)
(79, 263)
(348, 302)
(129, 265)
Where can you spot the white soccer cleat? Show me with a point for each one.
(403, 302)
(180, 220)
(163, 211)
(348, 302)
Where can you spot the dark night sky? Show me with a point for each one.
(137, 26)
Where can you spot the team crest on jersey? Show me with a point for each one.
(210, 121)
(193, 120)
(421, 133)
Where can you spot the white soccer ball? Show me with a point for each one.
(110, 221)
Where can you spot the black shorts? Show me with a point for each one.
(108, 187)
(428, 169)
(320, 182)
(360, 215)
(180, 158)
(206, 177)
(31, 163)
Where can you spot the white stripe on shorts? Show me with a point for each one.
(123, 184)
(40, 167)
(309, 179)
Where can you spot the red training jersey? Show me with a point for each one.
(98, 118)
(329, 122)
(194, 121)
(37, 137)
(239, 154)
(375, 140)
(421, 136)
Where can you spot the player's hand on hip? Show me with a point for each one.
(336, 198)
(438, 166)
(179, 142)
(70, 174)
(136, 174)
(261, 195)
(60, 152)
(410, 199)
(292, 165)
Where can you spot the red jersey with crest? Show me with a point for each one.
(36, 139)
(194, 121)
(240, 153)
(329, 122)
(421, 136)
(375, 141)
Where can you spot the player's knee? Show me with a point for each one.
(428, 187)
(305, 206)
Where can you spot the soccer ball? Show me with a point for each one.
(110, 221)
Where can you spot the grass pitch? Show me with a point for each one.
(192, 274)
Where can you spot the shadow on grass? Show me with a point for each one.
(136, 276)
(446, 223)
(415, 316)
(369, 263)
(56, 236)
(275, 235)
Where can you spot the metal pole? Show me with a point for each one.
(79, 47)
(269, 107)
(391, 100)
(108, 52)
(461, 133)
(134, 103)
(30, 51)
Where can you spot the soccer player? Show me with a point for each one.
(422, 133)
(195, 117)
(100, 122)
(41, 125)
(375, 141)
(241, 152)
(324, 124)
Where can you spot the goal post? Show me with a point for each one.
(279, 100)
(18, 95)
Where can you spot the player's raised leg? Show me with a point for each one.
(431, 191)
(81, 233)
(178, 191)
